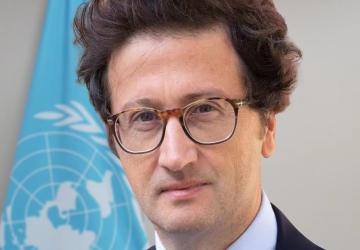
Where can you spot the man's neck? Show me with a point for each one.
(220, 237)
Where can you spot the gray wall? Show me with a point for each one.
(314, 176)
(20, 26)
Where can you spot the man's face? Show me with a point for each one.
(183, 186)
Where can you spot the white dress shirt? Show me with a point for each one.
(260, 235)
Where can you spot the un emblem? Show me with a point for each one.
(64, 192)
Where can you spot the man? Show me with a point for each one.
(189, 91)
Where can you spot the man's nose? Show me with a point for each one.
(177, 149)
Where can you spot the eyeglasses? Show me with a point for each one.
(205, 121)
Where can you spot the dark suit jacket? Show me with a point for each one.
(288, 237)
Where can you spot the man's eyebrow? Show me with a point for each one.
(142, 102)
(202, 94)
(184, 100)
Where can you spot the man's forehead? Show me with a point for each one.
(149, 51)
(145, 45)
(181, 68)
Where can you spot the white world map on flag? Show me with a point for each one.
(62, 190)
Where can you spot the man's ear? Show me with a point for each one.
(268, 146)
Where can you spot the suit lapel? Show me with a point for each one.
(288, 236)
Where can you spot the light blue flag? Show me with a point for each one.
(66, 190)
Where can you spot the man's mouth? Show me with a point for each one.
(183, 190)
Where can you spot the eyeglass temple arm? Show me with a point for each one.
(242, 102)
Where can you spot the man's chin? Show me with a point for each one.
(182, 221)
(178, 226)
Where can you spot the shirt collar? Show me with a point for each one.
(261, 234)
(158, 244)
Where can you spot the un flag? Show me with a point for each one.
(66, 189)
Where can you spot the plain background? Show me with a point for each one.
(314, 176)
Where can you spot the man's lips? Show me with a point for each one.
(183, 190)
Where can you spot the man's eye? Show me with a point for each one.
(203, 108)
(145, 116)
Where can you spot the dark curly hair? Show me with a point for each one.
(257, 31)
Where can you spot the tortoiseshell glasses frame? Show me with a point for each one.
(206, 121)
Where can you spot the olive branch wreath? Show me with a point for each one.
(77, 118)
